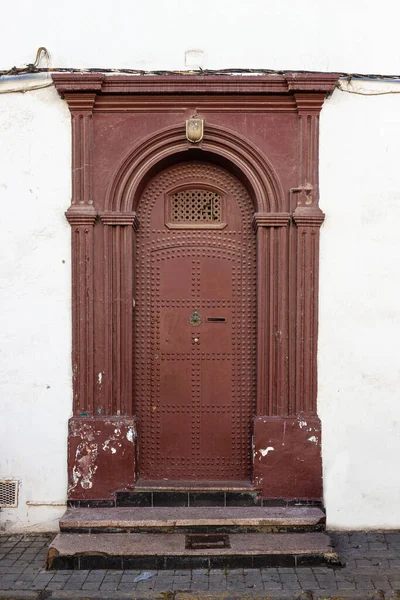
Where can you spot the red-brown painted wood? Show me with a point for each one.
(195, 382)
(263, 132)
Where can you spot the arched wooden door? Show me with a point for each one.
(195, 325)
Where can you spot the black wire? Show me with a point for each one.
(32, 68)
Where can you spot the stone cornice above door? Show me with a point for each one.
(290, 92)
(288, 83)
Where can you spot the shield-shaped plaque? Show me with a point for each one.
(195, 130)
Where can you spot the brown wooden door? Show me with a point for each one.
(195, 326)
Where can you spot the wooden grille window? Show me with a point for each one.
(195, 206)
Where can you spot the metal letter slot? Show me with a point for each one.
(216, 319)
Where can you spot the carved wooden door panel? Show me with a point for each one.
(195, 326)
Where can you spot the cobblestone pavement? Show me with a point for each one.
(372, 571)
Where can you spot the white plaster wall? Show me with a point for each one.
(359, 368)
(349, 35)
(360, 182)
(35, 328)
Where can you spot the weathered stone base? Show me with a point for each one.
(287, 457)
(101, 456)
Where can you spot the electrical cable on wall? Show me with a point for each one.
(34, 68)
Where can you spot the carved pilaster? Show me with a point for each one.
(307, 311)
(308, 217)
(308, 107)
(81, 106)
(272, 335)
(82, 222)
(119, 241)
(81, 215)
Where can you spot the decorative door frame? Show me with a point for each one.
(103, 431)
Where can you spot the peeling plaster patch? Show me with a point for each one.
(130, 434)
(85, 468)
(106, 445)
(302, 424)
(114, 439)
(100, 377)
(313, 439)
(75, 477)
(83, 430)
(264, 451)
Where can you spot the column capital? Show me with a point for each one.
(81, 103)
(81, 214)
(308, 216)
(264, 219)
(120, 218)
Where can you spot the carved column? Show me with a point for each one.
(272, 335)
(308, 218)
(101, 447)
(119, 240)
(81, 215)
(290, 430)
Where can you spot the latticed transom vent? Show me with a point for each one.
(8, 493)
(196, 206)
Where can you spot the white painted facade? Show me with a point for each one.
(359, 373)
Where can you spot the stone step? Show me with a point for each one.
(179, 551)
(191, 519)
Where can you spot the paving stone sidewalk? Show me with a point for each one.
(372, 571)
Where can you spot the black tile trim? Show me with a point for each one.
(207, 499)
(197, 529)
(230, 561)
(91, 503)
(65, 562)
(144, 562)
(100, 562)
(187, 562)
(243, 499)
(134, 499)
(191, 498)
(170, 499)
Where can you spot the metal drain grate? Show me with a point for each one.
(8, 493)
(204, 541)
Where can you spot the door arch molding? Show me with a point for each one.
(265, 188)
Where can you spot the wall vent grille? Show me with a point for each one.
(8, 493)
